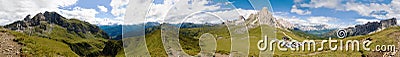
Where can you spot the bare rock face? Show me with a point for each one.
(266, 17)
(284, 24)
(371, 27)
(263, 17)
(388, 23)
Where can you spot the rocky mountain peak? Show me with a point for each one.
(262, 17)
(388, 23)
(266, 17)
(48, 19)
(53, 17)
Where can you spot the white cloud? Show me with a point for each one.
(173, 11)
(322, 3)
(320, 20)
(364, 9)
(102, 8)
(299, 11)
(137, 10)
(157, 12)
(363, 21)
(119, 7)
(88, 15)
(202, 18)
(293, 19)
(246, 13)
(13, 10)
(81, 13)
(313, 21)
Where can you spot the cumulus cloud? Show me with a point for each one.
(331, 22)
(13, 10)
(363, 21)
(373, 9)
(137, 10)
(102, 8)
(299, 11)
(88, 15)
(173, 11)
(119, 7)
(323, 3)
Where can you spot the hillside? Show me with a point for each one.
(50, 34)
(365, 29)
(189, 41)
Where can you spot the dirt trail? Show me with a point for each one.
(8, 47)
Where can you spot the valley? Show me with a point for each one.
(189, 37)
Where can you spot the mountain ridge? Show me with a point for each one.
(39, 19)
(50, 34)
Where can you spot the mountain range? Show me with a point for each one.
(50, 34)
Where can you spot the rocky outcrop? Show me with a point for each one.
(388, 23)
(371, 27)
(284, 24)
(263, 17)
(266, 17)
(8, 47)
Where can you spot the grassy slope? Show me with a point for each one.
(38, 46)
(383, 37)
(189, 40)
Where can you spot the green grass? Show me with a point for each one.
(384, 37)
(38, 46)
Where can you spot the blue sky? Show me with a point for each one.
(334, 13)
(341, 12)
(105, 14)
(93, 4)
(226, 9)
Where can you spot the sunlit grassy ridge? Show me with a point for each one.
(384, 37)
(38, 46)
(54, 40)
(189, 40)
